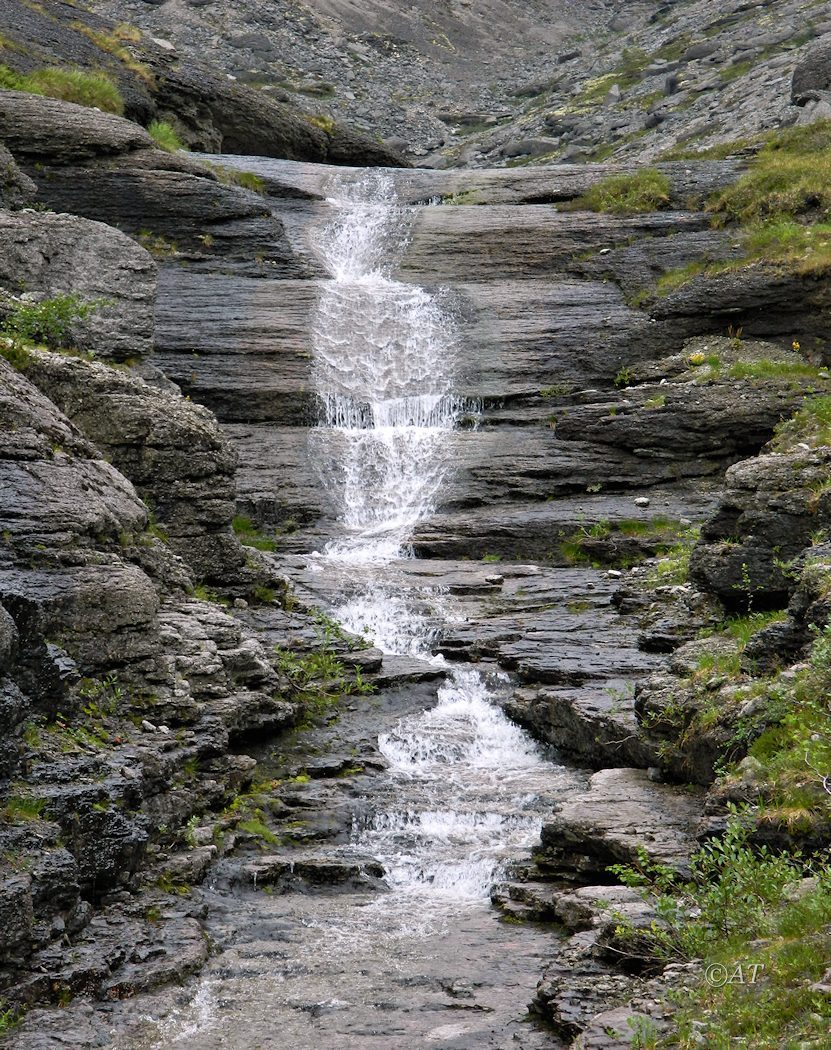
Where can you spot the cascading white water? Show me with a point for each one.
(383, 370)
(384, 373)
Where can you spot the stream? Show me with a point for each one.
(459, 792)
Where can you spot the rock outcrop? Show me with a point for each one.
(210, 111)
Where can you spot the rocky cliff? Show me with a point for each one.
(504, 82)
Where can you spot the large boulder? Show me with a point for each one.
(170, 448)
(35, 128)
(771, 507)
(813, 74)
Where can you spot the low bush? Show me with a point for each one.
(49, 321)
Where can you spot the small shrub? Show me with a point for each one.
(48, 321)
(164, 135)
(643, 191)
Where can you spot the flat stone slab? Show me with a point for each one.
(621, 810)
(306, 871)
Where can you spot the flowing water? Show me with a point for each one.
(428, 962)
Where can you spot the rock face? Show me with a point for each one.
(171, 449)
(812, 77)
(771, 507)
(137, 634)
(16, 189)
(47, 255)
(621, 810)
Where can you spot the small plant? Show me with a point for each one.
(49, 321)
(10, 1017)
(623, 378)
(164, 135)
(251, 536)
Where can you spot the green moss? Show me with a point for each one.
(164, 135)
(643, 191)
(323, 122)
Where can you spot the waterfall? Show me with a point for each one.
(385, 372)
(384, 369)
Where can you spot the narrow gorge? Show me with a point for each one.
(414, 592)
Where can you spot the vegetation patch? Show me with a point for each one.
(251, 536)
(317, 680)
(643, 191)
(622, 543)
(95, 89)
(790, 177)
(247, 180)
(811, 425)
(49, 321)
(760, 924)
(164, 135)
(673, 567)
(113, 43)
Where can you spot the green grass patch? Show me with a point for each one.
(674, 566)
(252, 536)
(114, 43)
(810, 425)
(643, 191)
(246, 180)
(164, 135)
(94, 89)
(21, 808)
(788, 178)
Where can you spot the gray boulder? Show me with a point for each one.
(813, 73)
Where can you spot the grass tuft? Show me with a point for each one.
(96, 90)
(164, 135)
(643, 191)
